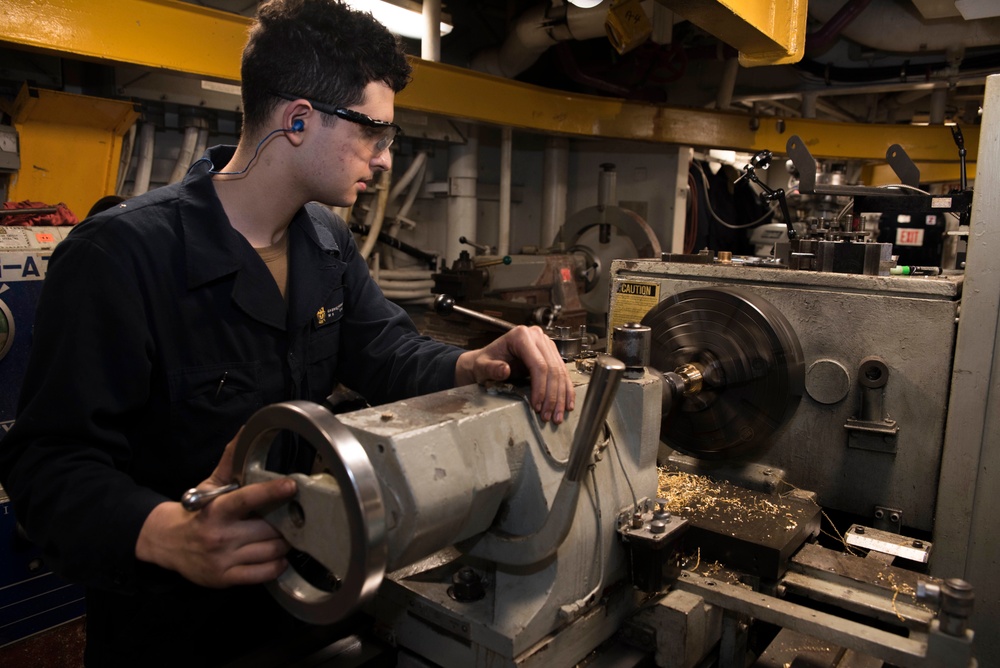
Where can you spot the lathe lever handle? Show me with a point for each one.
(604, 380)
(445, 304)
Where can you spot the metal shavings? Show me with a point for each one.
(713, 569)
(687, 493)
(897, 589)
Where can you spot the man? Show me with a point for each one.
(168, 320)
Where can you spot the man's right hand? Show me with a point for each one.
(225, 543)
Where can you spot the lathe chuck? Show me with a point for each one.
(751, 366)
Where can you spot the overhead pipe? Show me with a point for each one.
(430, 45)
(404, 181)
(414, 175)
(823, 39)
(463, 171)
(144, 167)
(939, 100)
(555, 170)
(123, 165)
(185, 154)
(503, 231)
(574, 72)
(377, 215)
(724, 94)
(534, 31)
(202, 145)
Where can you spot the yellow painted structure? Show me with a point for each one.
(167, 34)
(70, 147)
(189, 39)
(930, 172)
(765, 32)
(499, 101)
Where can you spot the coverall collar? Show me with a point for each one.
(214, 249)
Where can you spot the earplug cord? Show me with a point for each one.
(255, 152)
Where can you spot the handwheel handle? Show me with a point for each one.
(337, 516)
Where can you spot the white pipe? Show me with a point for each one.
(809, 105)
(144, 167)
(939, 100)
(555, 170)
(202, 145)
(185, 154)
(724, 95)
(503, 231)
(463, 171)
(411, 196)
(127, 147)
(415, 175)
(377, 215)
(534, 33)
(430, 45)
(404, 181)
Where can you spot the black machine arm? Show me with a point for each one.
(762, 159)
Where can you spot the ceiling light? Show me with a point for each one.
(402, 17)
(585, 4)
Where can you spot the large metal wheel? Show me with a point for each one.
(751, 366)
(337, 517)
(629, 237)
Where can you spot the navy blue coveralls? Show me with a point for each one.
(158, 333)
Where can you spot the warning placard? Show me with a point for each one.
(631, 301)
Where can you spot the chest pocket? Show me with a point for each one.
(324, 332)
(210, 403)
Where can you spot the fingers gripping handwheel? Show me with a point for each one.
(337, 517)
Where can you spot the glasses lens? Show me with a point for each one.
(386, 137)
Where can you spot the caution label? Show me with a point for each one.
(631, 301)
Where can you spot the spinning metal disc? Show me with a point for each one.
(750, 360)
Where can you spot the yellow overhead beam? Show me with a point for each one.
(165, 34)
(765, 32)
(186, 38)
(489, 99)
(930, 172)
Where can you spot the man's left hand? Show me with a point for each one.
(523, 350)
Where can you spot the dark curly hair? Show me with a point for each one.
(319, 49)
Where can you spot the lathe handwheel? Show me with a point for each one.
(337, 517)
(751, 364)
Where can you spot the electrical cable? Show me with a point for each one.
(614, 444)
(691, 228)
(587, 600)
(708, 202)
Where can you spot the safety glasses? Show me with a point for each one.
(382, 133)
